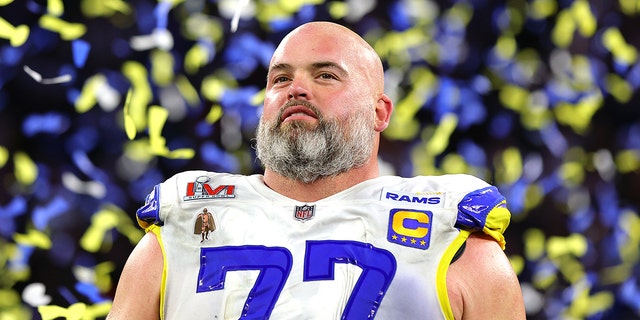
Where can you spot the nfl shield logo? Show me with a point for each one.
(304, 213)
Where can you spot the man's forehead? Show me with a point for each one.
(317, 40)
(310, 55)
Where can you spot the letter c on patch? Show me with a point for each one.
(411, 223)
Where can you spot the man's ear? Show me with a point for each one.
(384, 107)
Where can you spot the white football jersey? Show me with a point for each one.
(235, 249)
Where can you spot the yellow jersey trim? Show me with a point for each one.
(156, 230)
(497, 222)
(441, 275)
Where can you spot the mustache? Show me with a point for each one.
(303, 103)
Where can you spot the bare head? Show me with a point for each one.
(339, 43)
(324, 104)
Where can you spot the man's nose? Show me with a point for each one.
(299, 88)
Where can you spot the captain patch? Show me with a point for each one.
(410, 228)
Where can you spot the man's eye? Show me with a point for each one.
(280, 79)
(327, 76)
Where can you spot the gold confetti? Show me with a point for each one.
(214, 114)
(157, 118)
(4, 156)
(17, 36)
(33, 238)
(509, 166)
(55, 7)
(440, 139)
(129, 124)
(67, 30)
(26, 170)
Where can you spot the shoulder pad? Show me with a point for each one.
(149, 213)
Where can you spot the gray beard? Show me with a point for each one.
(307, 154)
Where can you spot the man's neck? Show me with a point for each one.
(321, 188)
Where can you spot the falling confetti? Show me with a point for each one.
(100, 100)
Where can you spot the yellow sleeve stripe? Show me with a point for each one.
(441, 275)
(156, 230)
(497, 222)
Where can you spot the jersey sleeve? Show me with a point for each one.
(149, 213)
(485, 210)
(164, 196)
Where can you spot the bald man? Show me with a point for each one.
(320, 235)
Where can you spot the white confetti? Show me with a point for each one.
(38, 77)
(34, 295)
(236, 15)
(92, 188)
(159, 38)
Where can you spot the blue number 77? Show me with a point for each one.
(274, 265)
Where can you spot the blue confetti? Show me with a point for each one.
(42, 40)
(516, 195)
(90, 291)
(43, 214)
(448, 98)
(246, 53)
(139, 188)
(145, 17)
(630, 293)
(204, 129)
(550, 183)
(20, 261)
(462, 56)
(10, 56)
(472, 153)
(51, 122)
(620, 67)
(80, 52)
(630, 137)
(599, 72)
(281, 24)
(17, 207)
(161, 12)
(480, 84)
(67, 295)
(472, 110)
(306, 13)
(581, 220)
(401, 20)
(607, 199)
(240, 100)
(218, 158)
(554, 140)
(633, 76)
(72, 95)
(609, 257)
(501, 125)
(35, 7)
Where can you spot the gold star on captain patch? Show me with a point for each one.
(394, 237)
(423, 243)
(404, 239)
(413, 241)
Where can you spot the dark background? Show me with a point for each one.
(537, 97)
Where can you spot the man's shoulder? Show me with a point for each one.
(484, 271)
